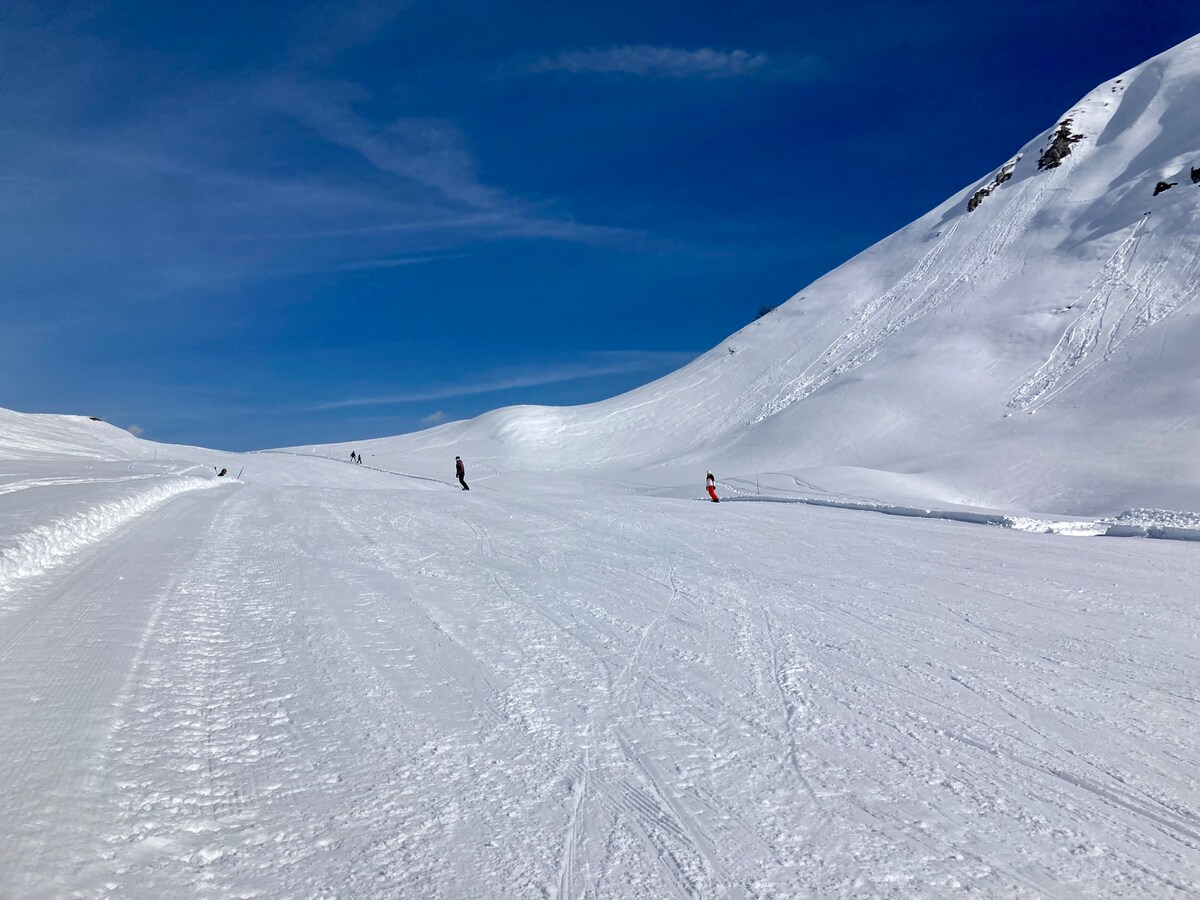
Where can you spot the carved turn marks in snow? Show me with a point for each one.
(1104, 325)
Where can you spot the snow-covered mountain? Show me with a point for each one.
(1030, 343)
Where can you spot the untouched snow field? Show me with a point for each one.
(330, 680)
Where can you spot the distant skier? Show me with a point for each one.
(353, 457)
(711, 484)
(460, 472)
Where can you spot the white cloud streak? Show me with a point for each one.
(365, 265)
(427, 153)
(331, 29)
(616, 362)
(656, 62)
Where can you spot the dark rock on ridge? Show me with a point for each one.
(1060, 146)
(1005, 173)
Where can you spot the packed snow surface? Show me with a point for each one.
(327, 679)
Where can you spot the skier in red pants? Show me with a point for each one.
(711, 483)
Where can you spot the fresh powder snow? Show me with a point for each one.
(921, 648)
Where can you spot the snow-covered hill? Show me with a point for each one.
(1029, 344)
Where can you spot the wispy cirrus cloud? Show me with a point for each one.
(425, 153)
(212, 149)
(325, 31)
(600, 363)
(364, 265)
(656, 62)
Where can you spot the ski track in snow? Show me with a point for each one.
(921, 291)
(1148, 301)
(300, 691)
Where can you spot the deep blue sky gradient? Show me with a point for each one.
(252, 225)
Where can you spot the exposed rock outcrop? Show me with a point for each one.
(1195, 176)
(1060, 146)
(1005, 173)
(1164, 186)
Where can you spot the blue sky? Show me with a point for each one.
(266, 224)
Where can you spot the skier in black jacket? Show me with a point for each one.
(460, 472)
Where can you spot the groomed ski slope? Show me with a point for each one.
(329, 680)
